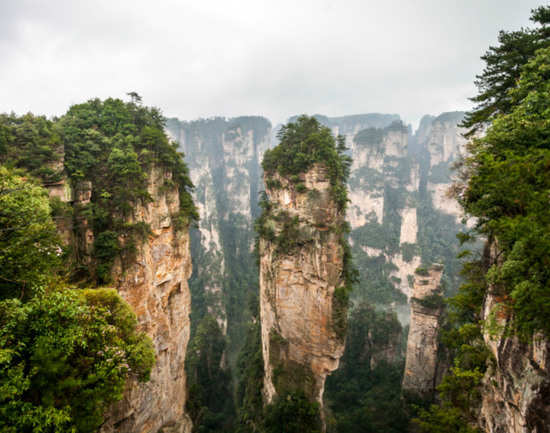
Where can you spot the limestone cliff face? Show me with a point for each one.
(442, 137)
(300, 340)
(421, 365)
(154, 283)
(516, 386)
(223, 156)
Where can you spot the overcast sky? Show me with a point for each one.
(274, 58)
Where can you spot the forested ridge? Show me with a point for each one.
(68, 345)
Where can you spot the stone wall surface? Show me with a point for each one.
(299, 340)
(154, 283)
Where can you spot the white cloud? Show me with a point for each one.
(273, 58)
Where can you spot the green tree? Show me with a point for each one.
(64, 358)
(503, 65)
(32, 143)
(293, 413)
(210, 402)
(115, 145)
(30, 250)
(506, 182)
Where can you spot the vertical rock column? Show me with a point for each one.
(421, 364)
(154, 283)
(300, 268)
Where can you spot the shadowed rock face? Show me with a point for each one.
(155, 286)
(299, 341)
(516, 386)
(421, 366)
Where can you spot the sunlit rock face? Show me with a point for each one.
(154, 283)
(300, 342)
(421, 365)
(516, 386)
(224, 157)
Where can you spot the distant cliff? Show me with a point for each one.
(399, 211)
(224, 157)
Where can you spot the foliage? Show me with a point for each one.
(459, 391)
(116, 145)
(361, 393)
(433, 301)
(293, 413)
(32, 143)
(503, 65)
(210, 402)
(64, 358)
(30, 250)
(505, 186)
(250, 385)
(304, 143)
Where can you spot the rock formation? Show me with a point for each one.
(154, 283)
(223, 156)
(516, 385)
(155, 286)
(421, 365)
(301, 325)
(398, 210)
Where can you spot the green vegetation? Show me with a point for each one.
(361, 393)
(64, 358)
(66, 354)
(32, 143)
(30, 250)
(503, 68)
(507, 179)
(504, 183)
(251, 378)
(293, 413)
(433, 301)
(304, 143)
(116, 145)
(210, 404)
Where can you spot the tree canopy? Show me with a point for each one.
(30, 249)
(503, 66)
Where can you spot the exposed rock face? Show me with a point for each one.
(516, 386)
(442, 137)
(223, 156)
(421, 366)
(300, 342)
(154, 283)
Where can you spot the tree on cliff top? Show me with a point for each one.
(304, 143)
(115, 145)
(503, 64)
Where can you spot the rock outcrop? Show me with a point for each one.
(421, 365)
(516, 386)
(154, 283)
(302, 338)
